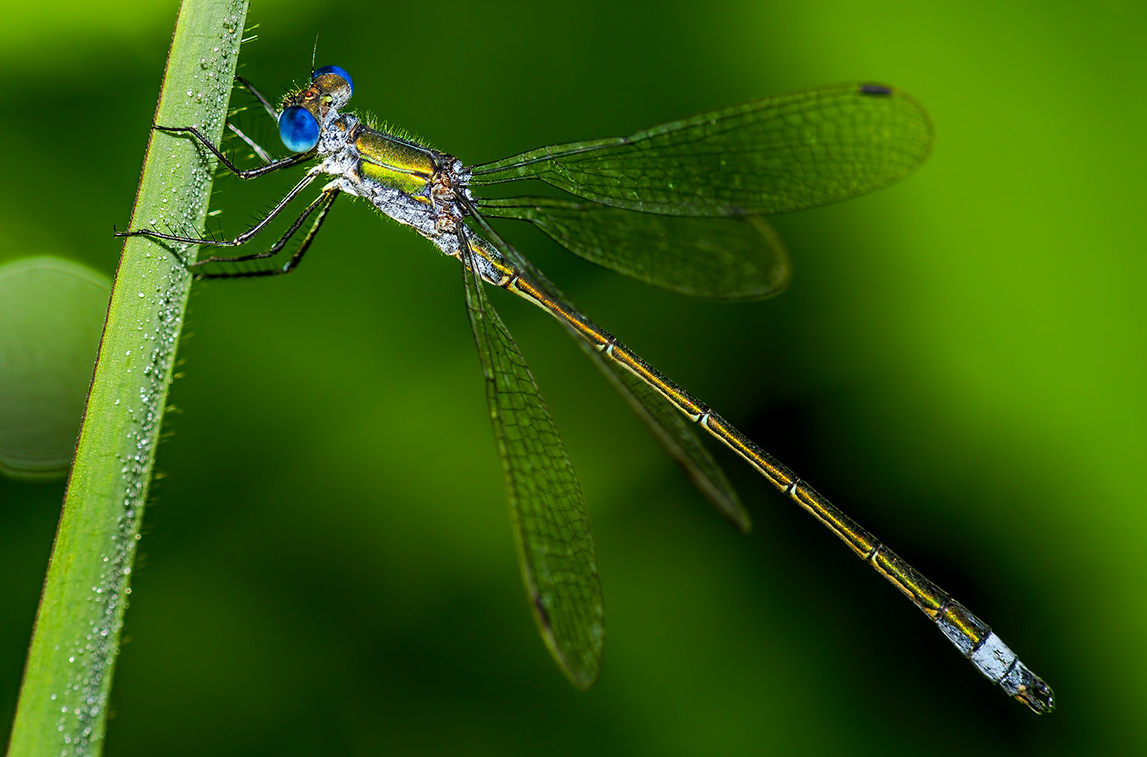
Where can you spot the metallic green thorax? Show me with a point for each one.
(394, 163)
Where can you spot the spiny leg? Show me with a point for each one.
(258, 96)
(252, 173)
(323, 202)
(242, 238)
(263, 154)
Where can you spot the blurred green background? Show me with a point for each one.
(327, 564)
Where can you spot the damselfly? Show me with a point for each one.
(678, 205)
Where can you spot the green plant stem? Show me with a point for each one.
(67, 680)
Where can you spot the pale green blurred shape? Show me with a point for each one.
(51, 315)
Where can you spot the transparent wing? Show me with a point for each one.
(740, 258)
(551, 527)
(773, 155)
(675, 434)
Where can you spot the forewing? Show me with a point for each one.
(773, 155)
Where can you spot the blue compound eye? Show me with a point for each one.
(337, 72)
(298, 129)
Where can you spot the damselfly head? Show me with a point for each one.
(304, 110)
